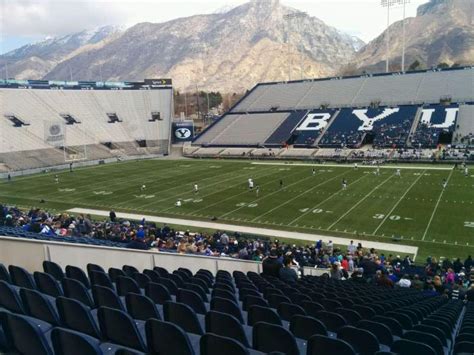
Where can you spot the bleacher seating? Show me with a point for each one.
(81, 118)
(435, 121)
(283, 133)
(178, 312)
(464, 133)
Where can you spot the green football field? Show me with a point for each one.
(413, 209)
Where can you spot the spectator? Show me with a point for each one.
(271, 266)
(404, 282)
(336, 272)
(287, 273)
(470, 294)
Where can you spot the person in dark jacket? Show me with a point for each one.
(271, 265)
(287, 273)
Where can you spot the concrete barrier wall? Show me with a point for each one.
(30, 254)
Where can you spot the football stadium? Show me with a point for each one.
(330, 215)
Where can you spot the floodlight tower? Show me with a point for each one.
(289, 18)
(403, 2)
(388, 4)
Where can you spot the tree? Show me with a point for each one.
(414, 66)
(443, 65)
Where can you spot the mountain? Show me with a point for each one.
(228, 51)
(34, 61)
(442, 32)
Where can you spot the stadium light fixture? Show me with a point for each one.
(388, 4)
(289, 18)
(404, 3)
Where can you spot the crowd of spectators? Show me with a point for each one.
(450, 278)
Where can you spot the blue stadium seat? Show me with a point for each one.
(192, 299)
(312, 308)
(66, 341)
(287, 310)
(363, 341)
(152, 274)
(168, 338)
(76, 290)
(213, 344)
(158, 293)
(53, 269)
(196, 288)
(4, 275)
(27, 337)
(47, 284)
(76, 316)
(425, 338)
(129, 270)
(350, 315)
(324, 345)
(222, 293)
(404, 346)
(119, 328)
(227, 325)
(141, 307)
(464, 347)
(263, 314)
(114, 273)
(182, 315)
(73, 272)
(21, 278)
(40, 306)
(105, 297)
(10, 299)
(100, 278)
(268, 337)
(380, 330)
(250, 301)
(141, 279)
(93, 267)
(331, 320)
(125, 285)
(228, 306)
(304, 327)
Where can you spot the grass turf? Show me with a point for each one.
(412, 210)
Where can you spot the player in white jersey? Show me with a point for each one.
(314, 171)
(178, 203)
(257, 190)
(356, 166)
(250, 184)
(377, 171)
(196, 188)
(398, 173)
(445, 183)
(466, 171)
(344, 184)
(143, 188)
(56, 179)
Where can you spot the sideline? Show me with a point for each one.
(360, 166)
(407, 249)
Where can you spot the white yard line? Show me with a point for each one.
(297, 196)
(271, 194)
(252, 230)
(358, 203)
(242, 193)
(398, 202)
(415, 167)
(327, 199)
(437, 204)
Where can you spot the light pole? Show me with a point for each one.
(403, 2)
(289, 17)
(388, 4)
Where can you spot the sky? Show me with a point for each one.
(27, 21)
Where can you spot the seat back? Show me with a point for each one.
(125, 285)
(21, 278)
(182, 315)
(312, 308)
(47, 284)
(331, 320)
(21, 329)
(263, 314)
(249, 301)
(4, 275)
(118, 327)
(76, 290)
(304, 327)
(100, 278)
(268, 337)
(69, 342)
(10, 299)
(227, 306)
(157, 292)
(288, 310)
(94, 267)
(53, 269)
(152, 274)
(404, 346)
(114, 273)
(105, 297)
(464, 347)
(222, 293)
(196, 288)
(141, 307)
(177, 341)
(380, 330)
(212, 344)
(324, 345)
(425, 338)
(129, 269)
(76, 316)
(39, 306)
(141, 279)
(73, 272)
(192, 299)
(226, 325)
(392, 323)
(363, 341)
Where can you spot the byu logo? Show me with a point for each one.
(449, 118)
(54, 130)
(368, 122)
(314, 122)
(182, 133)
